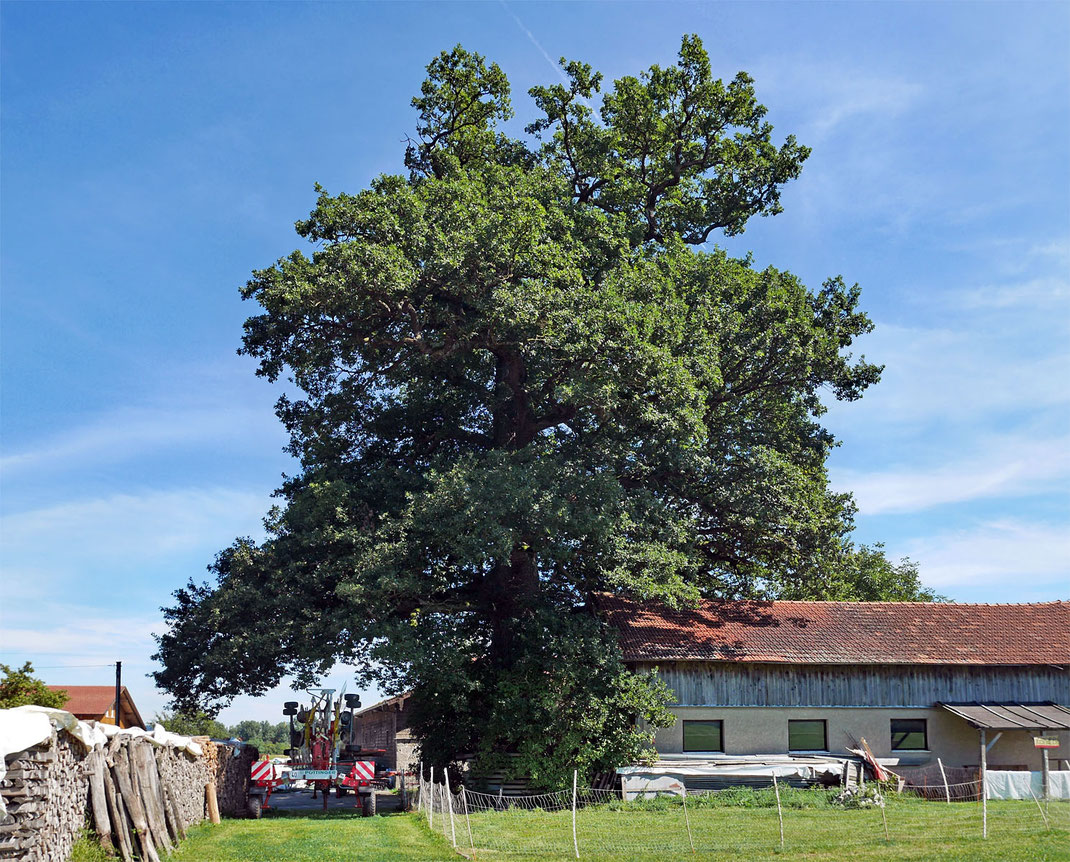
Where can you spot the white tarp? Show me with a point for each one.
(1005, 784)
(26, 726)
(667, 776)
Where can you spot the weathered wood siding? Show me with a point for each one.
(753, 684)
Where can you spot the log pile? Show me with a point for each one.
(135, 810)
(139, 798)
(186, 775)
(44, 791)
(229, 767)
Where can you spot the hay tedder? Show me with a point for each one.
(322, 755)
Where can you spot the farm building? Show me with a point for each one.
(918, 681)
(97, 703)
(385, 726)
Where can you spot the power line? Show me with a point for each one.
(55, 666)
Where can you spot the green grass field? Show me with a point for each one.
(623, 833)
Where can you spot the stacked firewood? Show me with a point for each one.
(134, 810)
(186, 775)
(44, 792)
(229, 767)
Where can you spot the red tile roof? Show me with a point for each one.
(94, 701)
(842, 632)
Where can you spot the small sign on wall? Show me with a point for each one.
(1045, 742)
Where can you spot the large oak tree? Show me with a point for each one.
(524, 379)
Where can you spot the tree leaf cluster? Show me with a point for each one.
(19, 687)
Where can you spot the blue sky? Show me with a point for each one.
(154, 154)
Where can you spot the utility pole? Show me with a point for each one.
(118, 688)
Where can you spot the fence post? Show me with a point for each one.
(420, 787)
(575, 840)
(687, 821)
(947, 790)
(984, 786)
(884, 813)
(467, 820)
(1045, 775)
(449, 803)
(431, 799)
(779, 811)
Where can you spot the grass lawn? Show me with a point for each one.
(314, 837)
(920, 831)
(628, 833)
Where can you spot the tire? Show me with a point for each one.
(368, 808)
(256, 807)
(340, 791)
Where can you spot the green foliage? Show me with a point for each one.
(194, 723)
(20, 688)
(267, 737)
(520, 383)
(865, 574)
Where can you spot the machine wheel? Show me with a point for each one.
(340, 791)
(256, 807)
(368, 808)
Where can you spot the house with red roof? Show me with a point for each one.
(917, 681)
(97, 703)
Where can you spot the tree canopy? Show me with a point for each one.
(523, 377)
(19, 687)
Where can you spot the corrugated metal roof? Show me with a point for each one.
(842, 632)
(1013, 715)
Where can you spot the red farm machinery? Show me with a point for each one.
(322, 754)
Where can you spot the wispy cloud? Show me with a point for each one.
(1009, 560)
(128, 432)
(1007, 467)
(1042, 293)
(121, 536)
(957, 375)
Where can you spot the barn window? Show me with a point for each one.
(807, 735)
(703, 736)
(909, 734)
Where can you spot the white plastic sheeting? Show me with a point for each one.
(668, 776)
(1005, 784)
(26, 726)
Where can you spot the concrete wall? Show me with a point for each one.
(764, 730)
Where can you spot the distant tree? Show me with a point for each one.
(869, 576)
(269, 738)
(192, 724)
(20, 688)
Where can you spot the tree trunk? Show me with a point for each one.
(515, 587)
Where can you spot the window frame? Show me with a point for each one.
(683, 735)
(924, 734)
(824, 733)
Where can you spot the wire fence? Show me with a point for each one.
(749, 821)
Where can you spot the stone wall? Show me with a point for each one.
(45, 791)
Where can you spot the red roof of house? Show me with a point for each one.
(93, 701)
(842, 632)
